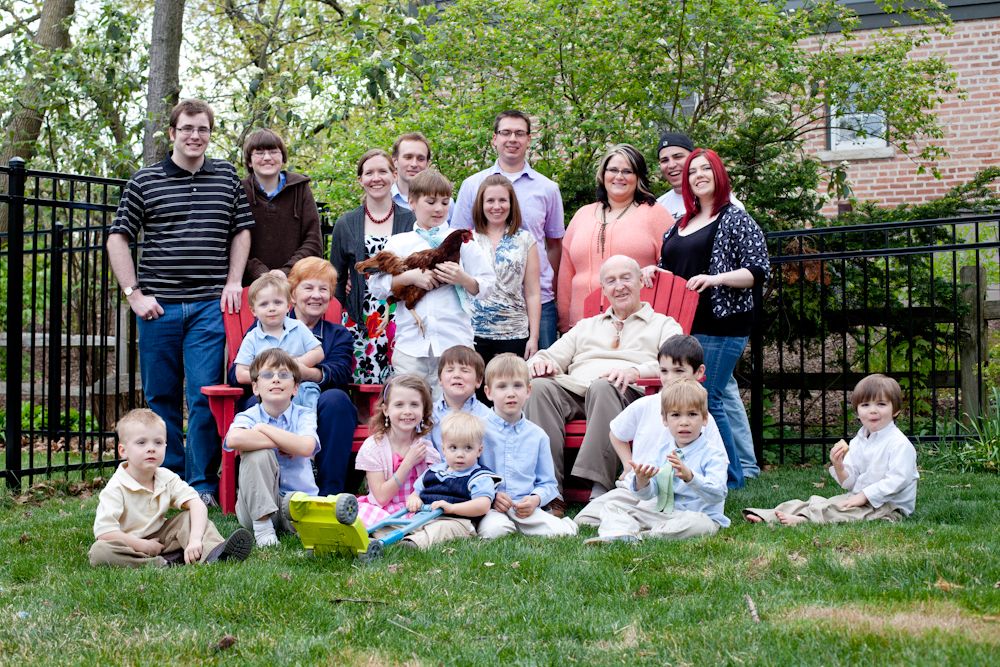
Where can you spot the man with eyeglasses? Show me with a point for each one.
(539, 200)
(672, 152)
(195, 223)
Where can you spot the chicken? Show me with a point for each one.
(450, 250)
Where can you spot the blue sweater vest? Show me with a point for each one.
(450, 489)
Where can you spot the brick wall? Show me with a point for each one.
(971, 126)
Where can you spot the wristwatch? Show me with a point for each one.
(128, 290)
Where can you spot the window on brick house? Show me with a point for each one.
(850, 128)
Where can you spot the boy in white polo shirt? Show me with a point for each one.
(131, 525)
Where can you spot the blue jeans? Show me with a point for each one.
(185, 343)
(547, 328)
(721, 355)
(736, 412)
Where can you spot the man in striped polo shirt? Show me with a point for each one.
(195, 225)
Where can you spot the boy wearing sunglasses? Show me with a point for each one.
(276, 440)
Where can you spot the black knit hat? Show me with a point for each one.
(675, 139)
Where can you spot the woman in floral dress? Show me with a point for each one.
(358, 235)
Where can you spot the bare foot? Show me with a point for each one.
(789, 519)
(752, 518)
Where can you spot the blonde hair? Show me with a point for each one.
(463, 426)
(265, 281)
(143, 417)
(684, 395)
(377, 425)
(507, 365)
(876, 386)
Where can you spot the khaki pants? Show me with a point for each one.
(174, 535)
(825, 510)
(441, 530)
(425, 367)
(550, 406)
(591, 514)
(258, 493)
(497, 524)
(619, 518)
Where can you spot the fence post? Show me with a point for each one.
(972, 347)
(53, 411)
(757, 390)
(15, 325)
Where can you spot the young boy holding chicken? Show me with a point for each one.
(441, 318)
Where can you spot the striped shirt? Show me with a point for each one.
(187, 222)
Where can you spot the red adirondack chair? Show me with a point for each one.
(668, 295)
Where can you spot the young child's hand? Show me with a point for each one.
(414, 503)
(502, 502)
(643, 473)
(449, 273)
(856, 500)
(443, 505)
(422, 278)
(415, 454)
(527, 506)
(192, 552)
(150, 547)
(838, 453)
(682, 472)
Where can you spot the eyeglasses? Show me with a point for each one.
(506, 134)
(188, 130)
(265, 152)
(615, 171)
(269, 375)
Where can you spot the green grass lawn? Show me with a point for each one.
(926, 591)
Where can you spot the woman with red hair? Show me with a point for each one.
(722, 252)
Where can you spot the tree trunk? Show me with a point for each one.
(164, 86)
(21, 134)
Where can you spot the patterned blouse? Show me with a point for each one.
(504, 314)
(739, 244)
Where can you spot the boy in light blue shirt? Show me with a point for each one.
(460, 373)
(276, 440)
(518, 451)
(269, 297)
(685, 495)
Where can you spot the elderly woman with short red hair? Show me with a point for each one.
(722, 253)
(312, 281)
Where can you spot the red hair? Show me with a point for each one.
(723, 191)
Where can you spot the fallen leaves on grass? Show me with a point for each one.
(488, 564)
(515, 564)
(920, 619)
(642, 592)
(796, 558)
(355, 601)
(819, 485)
(24, 539)
(39, 492)
(946, 586)
(393, 568)
(225, 642)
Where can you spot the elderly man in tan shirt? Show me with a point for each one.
(590, 371)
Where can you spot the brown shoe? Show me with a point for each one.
(236, 547)
(557, 508)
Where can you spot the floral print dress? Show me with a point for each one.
(374, 337)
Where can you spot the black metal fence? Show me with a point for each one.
(908, 298)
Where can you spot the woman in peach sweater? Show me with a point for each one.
(625, 220)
